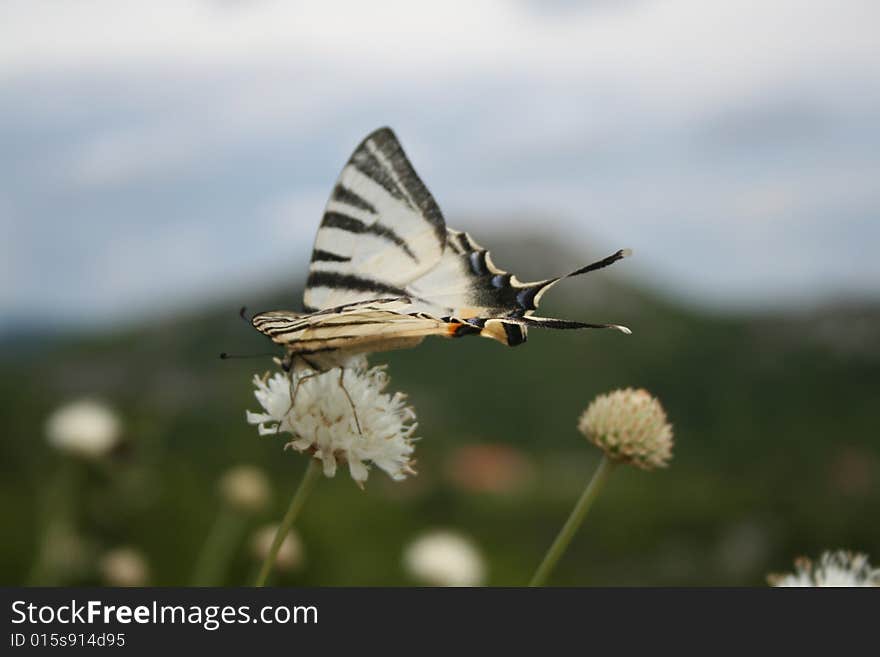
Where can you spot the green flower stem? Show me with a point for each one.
(219, 547)
(569, 529)
(58, 521)
(296, 504)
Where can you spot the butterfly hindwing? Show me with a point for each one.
(467, 283)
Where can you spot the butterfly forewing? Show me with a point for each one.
(354, 328)
(381, 228)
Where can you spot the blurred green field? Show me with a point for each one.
(777, 450)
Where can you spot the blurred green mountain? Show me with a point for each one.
(777, 451)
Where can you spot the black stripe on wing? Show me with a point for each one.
(343, 194)
(325, 256)
(375, 304)
(356, 226)
(402, 177)
(336, 281)
(381, 303)
(290, 327)
(369, 165)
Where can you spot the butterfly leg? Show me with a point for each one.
(295, 385)
(357, 422)
(294, 389)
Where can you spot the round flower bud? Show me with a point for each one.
(245, 488)
(630, 427)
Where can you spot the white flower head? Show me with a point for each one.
(291, 554)
(85, 427)
(835, 569)
(124, 566)
(444, 558)
(245, 488)
(630, 426)
(340, 417)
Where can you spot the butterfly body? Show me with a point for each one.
(386, 272)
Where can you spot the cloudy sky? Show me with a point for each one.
(154, 153)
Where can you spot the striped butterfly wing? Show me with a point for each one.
(381, 229)
(360, 327)
(467, 284)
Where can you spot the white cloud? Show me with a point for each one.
(678, 45)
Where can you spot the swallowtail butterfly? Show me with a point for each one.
(386, 272)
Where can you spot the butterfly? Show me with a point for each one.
(386, 272)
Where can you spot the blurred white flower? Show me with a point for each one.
(444, 558)
(245, 488)
(124, 566)
(835, 569)
(630, 427)
(324, 423)
(85, 427)
(291, 554)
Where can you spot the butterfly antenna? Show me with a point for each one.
(242, 313)
(226, 356)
